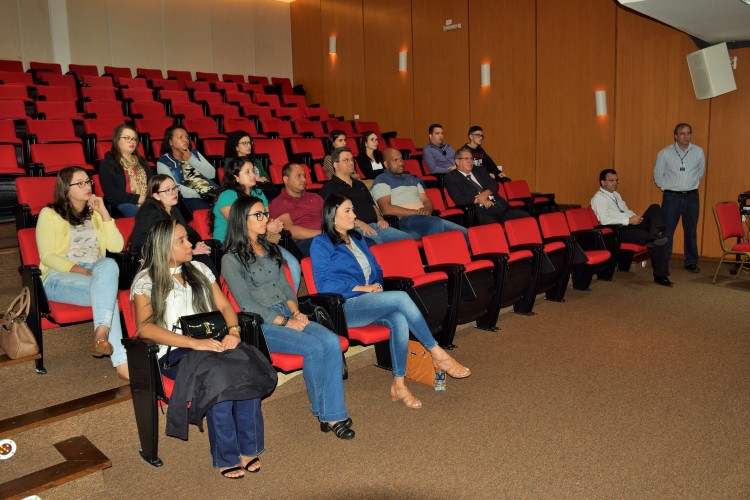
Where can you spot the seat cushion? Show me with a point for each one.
(520, 255)
(67, 313)
(478, 264)
(741, 247)
(286, 362)
(633, 247)
(555, 246)
(370, 334)
(597, 256)
(429, 278)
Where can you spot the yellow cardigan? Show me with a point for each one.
(53, 240)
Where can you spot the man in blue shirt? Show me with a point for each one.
(678, 173)
(436, 155)
(403, 195)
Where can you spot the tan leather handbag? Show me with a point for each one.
(419, 367)
(16, 338)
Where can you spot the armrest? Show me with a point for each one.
(397, 283)
(497, 258)
(251, 333)
(533, 247)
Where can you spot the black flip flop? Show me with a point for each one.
(230, 470)
(251, 462)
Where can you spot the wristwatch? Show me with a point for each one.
(284, 321)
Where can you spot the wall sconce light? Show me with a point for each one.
(402, 61)
(485, 75)
(332, 44)
(600, 96)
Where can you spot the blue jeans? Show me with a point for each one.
(294, 267)
(194, 204)
(321, 367)
(127, 209)
(396, 311)
(424, 225)
(686, 205)
(385, 235)
(98, 291)
(234, 427)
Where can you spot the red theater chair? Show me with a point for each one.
(729, 224)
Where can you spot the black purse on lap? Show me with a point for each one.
(208, 325)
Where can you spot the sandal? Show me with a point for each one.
(406, 397)
(255, 460)
(339, 429)
(451, 367)
(101, 348)
(230, 470)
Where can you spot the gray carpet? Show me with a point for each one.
(629, 391)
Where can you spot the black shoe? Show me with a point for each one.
(338, 428)
(657, 240)
(693, 268)
(663, 281)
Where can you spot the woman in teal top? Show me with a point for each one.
(240, 180)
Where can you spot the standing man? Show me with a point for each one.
(436, 155)
(678, 173)
(610, 208)
(369, 222)
(300, 210)
(481, 158)
(469, 185)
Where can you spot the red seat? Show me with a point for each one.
(430, 290)
(50, 132)
(246, 124)
(12, 92)
(517, 271)
(342, 125)
(137, 94)
(180, 76)
(147, 109)
(171, 97)
(182, 110)
(294, 100)
(14, 110)
(406, 146)
(473, 281)
(97, 81)
(237, 98)
(624, 252)
(162, 84)
(57, 109)
(133, 83)
(118, 72)
(11, 65)
(591, 238)
(98, 94)
(54, 68)
(204, 128)
(83, 69)
(54, 80)
(412, 167)
(729, 224)
(276, 152)
(48, 159)
(56, 93)
(233, 78)
(148, 73)
(207, 77)
(106, 110)
(9, 164)
(261, 80)
(317, 113)
(456, 215)
(555, 229)
(277, 128)
(518, 194)
(8, 133)
(225, 86)
(284, 85)
(13, 77)
(34, 193)
(311, 147)
(309, 129)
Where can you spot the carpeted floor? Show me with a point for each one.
(629, 391)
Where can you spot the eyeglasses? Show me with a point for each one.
(478, 135)
(245, 143)
(128, 139)
(82, 184)
(346, 160)
(173, 189)
(258, 215)
(612, 180)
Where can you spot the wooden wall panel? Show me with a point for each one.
(727, 172)
(10, 32)
(441, 69)
(232, 35)
(308, 51)
(503, 33)
(575, 57)
(654, 93)
(272, 39)
(89, 20)
(389, 93)
(343, 72)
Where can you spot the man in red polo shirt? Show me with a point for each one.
(300, 211)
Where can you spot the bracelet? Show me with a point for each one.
(236, 328)
(284, 321)
(294, 313)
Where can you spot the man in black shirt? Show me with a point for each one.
(370, 222)
(481, 158)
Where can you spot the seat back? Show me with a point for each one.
(153, 126)
(52, 130)
(105, 109)
(58, 154)
(310, 127)
(488, 238)
(138, 94)
(207, 96)
(294, 100)
(200, 223)
(307, 273)
(579, 219)
(402, 143)
(208, 77)
(729, 220)
(36, 192)
(399, 258)
(274, 148)
(446, 248)
(84, 69)
(9, 160)
(235, 96)
(11, 65)
(11, 92)
(50, 67)
(57, 93)
(187, 109)
(523, 231)
(148, 109)
(13, 110)
(118, 72)
(232, 124)
(517, 189)
(57, 80)
(554, 225)
(125, 225)
(174, 96)
(312, 146)
(133, 83)
(202, 126)
(97, 81)
(412, 167)
(27, 247)
(229, 77)
(102, 128)
(98, 94)
(228, 111)
(149, 73)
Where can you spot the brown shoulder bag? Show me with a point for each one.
(16, 338)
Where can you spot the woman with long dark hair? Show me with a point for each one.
(370, 159)
(163, 196)
(169, 286)
(240, 181)
(343, 264)
(189, 169)
(73, 235)
(124, 175)
(336, 139)
(239, 144)
(252, 268)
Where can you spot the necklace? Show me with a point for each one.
(681, 157)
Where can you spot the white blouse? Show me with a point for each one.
(179, 300)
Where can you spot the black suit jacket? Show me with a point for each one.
(463, 191)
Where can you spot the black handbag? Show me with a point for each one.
(209, 325)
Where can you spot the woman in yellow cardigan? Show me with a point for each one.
(73, 235)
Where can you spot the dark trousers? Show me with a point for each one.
(653, 222)
(687, 206)
(497, 213)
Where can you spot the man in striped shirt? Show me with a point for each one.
(678, 173)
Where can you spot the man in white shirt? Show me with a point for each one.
(647, 230)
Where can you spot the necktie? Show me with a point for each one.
(476, 184)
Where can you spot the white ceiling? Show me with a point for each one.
(713, 21)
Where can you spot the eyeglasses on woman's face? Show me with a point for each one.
(82, 184)
(128, 138)
(170, 190)
(259, 216)
(245, 143)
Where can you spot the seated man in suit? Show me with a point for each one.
(648, 230)
(474, 186)
(299, 210)
(404, 196)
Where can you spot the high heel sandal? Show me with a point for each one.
(406, 397)
(453, 368)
